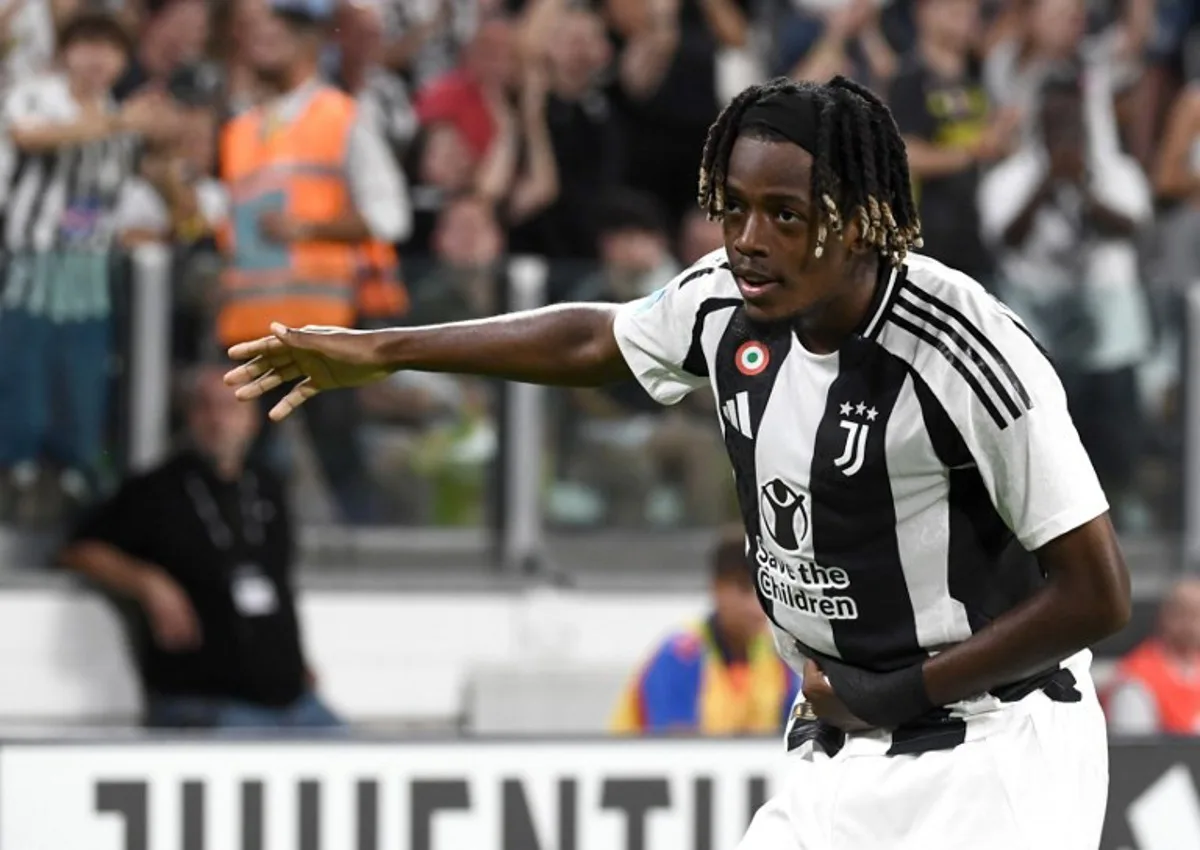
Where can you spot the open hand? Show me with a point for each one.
(826, 704)
(320, 358)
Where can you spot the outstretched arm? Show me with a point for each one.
(577, 345)
(565, 346)
(572, 346)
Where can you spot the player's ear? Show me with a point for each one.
(852, 236)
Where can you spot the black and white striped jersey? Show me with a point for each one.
(62, 199)
(881, 485)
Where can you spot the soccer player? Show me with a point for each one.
(895, 435)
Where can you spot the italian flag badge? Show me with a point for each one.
(752, 358)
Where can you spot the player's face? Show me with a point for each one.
(770, 230)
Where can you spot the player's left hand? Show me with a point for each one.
(826, 704)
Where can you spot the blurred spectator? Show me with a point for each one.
(667, 69)
(1052, 41)
(469, 249)
(519, 174)
(698, 237)
(174, 37)
(1177, 179)
(635, 248)
(442, 168)
(721, 676)
(1157, 686)
(64, 166)
(174, 198)
(820, 39)
(423, 38)
(586, 140)
(203, 548)
(649, 462)
(234, 23)
(942, 109)
(473, 96)
(1048, 43)
(316, 199)
(432, 437)
(382, 94)
(1064, 214)
(27, 29)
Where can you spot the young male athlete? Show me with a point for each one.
(892, 430)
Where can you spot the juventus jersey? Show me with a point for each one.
(881, 485)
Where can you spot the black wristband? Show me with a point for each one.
(885, 700)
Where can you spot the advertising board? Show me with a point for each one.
(342, 794)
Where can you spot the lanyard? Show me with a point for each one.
(219, 532)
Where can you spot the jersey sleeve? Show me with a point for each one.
(657, 333)
(1013, 418)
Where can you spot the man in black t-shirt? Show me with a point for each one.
(202, 547)
(942, 110)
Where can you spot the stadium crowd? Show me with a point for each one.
(1053, 144)
(1055, 150)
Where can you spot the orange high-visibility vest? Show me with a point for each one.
(297, 169)
(1177, 698)
(380, 294)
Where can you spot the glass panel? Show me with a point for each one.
(1120, 363)
(618, 459)
(417, 450)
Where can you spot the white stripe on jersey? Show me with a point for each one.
(785, 467)
(921, 494)
(38, 189)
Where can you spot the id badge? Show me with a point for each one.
(254, 594)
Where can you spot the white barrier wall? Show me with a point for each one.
(676, 794)
(377, 654)
(680, 795)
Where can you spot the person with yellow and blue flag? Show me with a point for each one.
(720, 676)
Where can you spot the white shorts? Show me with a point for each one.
(1039, 782)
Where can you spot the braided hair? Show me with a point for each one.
(860, 167)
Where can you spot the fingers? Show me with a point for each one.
(300, 393)
(256, 348)
(268, 381)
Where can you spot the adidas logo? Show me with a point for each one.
(737, 413)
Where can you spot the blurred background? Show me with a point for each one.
(459, 558)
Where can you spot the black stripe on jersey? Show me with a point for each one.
(987, 571)
(938, 304)
(741, 443)
(853, 512)
(39, 167)
(959, 366)
(694, 363)
(1029, 335)
(970, 354)
(696, 275)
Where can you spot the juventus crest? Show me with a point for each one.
(856, 422)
